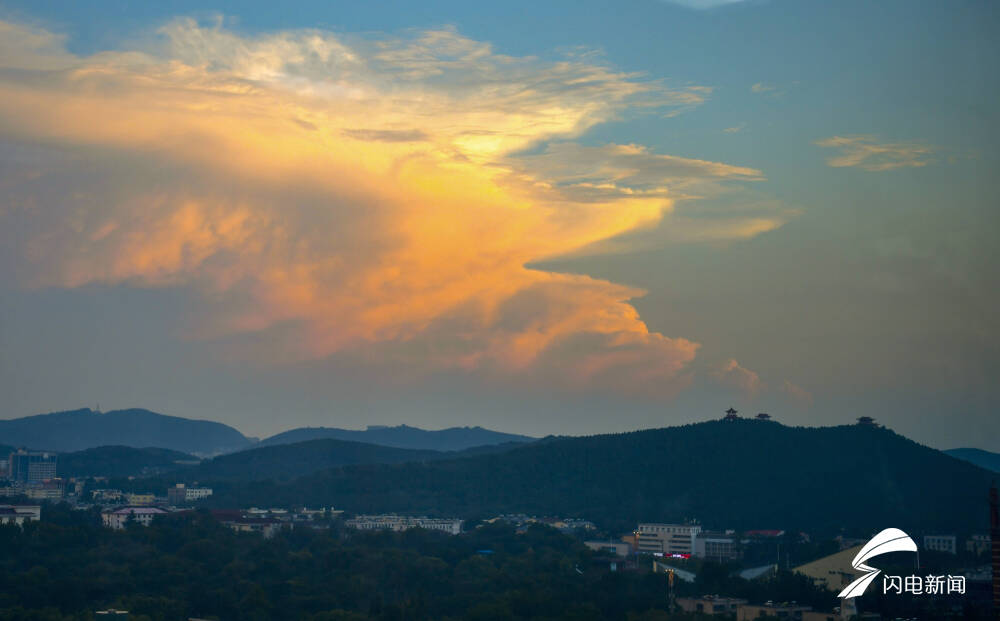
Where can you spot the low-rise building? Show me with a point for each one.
(140, 500)
(118, 518)
(104, 496)
(715, 546)
(618, 548)
(51, 489)
(264, 526)
(19, 514)
(402, 522)
(656, 538)
(710, 604)
(941, 543)
(180, 494)
(978, 544)
(789, 611)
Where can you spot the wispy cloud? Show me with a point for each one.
(735, 129)
(350, 193)
(869, 153)
(732, 374)
(703, 4)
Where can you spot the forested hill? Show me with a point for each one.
(743, 474)
(76, 430)
(288, 461)
(121, 461)
(403, 436)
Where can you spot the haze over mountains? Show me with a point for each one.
(81, 429)
(403, 436)
(979, 457)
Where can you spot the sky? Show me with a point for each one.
(542, 218)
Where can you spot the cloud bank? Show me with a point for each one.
(372, 195)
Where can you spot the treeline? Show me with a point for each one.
(189, 565)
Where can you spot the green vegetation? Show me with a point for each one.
(189, 565)
(121, 461)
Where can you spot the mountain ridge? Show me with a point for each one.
(741, 474)
(982, 458)
(77, 430)
(402, 436)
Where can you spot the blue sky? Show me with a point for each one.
(781, 206)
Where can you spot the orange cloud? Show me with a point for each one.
(365, 191)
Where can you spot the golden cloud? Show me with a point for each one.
(367, 192)
(868, 153)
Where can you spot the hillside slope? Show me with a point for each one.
(402, 436)
(121, 461)
(289, 461)
(979, 457)
(77, 430)
(743, 474)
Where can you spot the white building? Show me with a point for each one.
(402, 522)
(180, 494)
(941, 543)
(118, 518)
(19, 514)
(655, 538)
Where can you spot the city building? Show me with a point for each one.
(31, 467)
(710, 605)
(618, 548)
(941, 543)
(978, 544)
(111, 613)
(19, 514)
(655, 538)
(140, 500)
(118, 518)
(719, 547)
(181, 495)
(50, 489)
(401, 522)
(102, 496)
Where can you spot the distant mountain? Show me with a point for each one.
(403, 436)
(288, 461)
(82, 429)
(121, 461)
(743, 474)
(979, 457)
